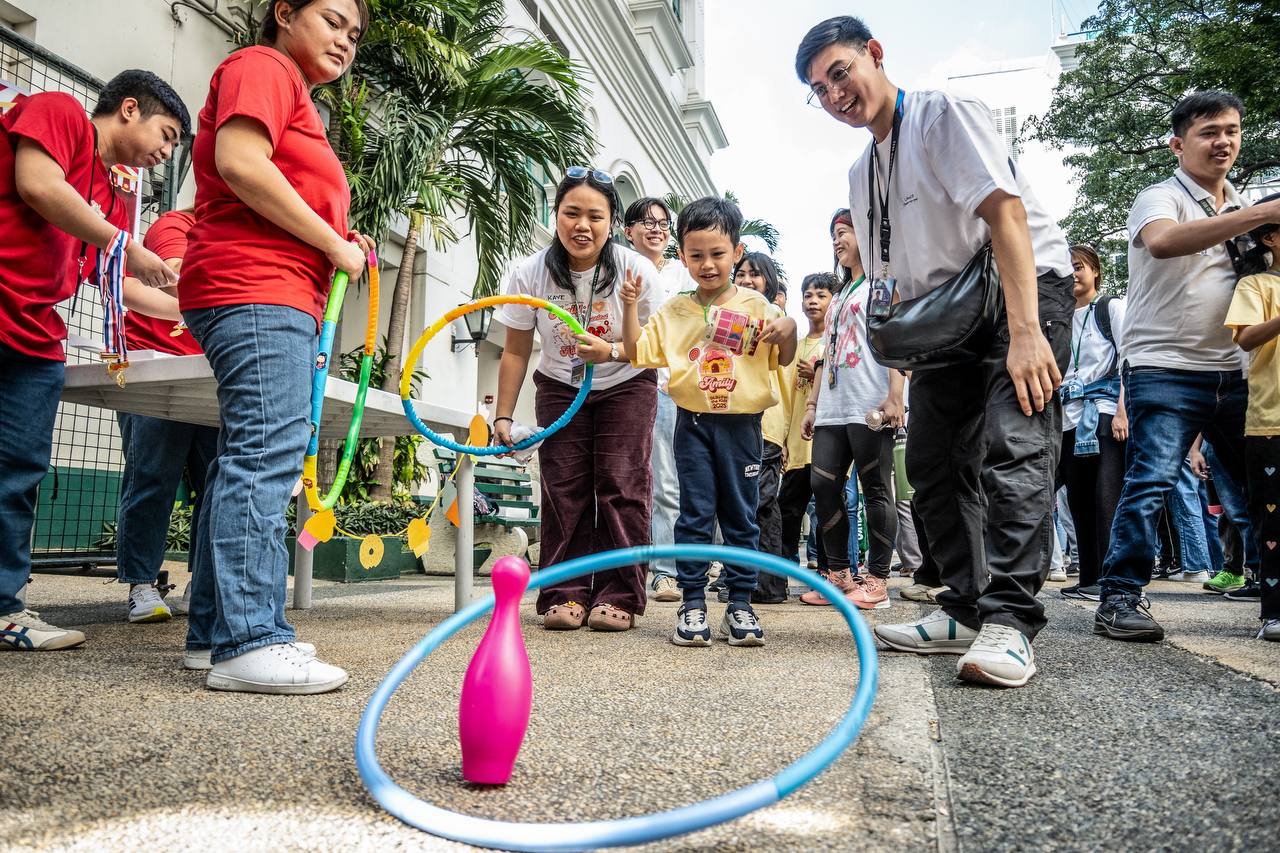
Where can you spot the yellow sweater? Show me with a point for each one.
(706, 377)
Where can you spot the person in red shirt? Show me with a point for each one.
(57, 210)
(155, 450)
(271, 226)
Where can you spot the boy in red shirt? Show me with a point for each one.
(57, 209)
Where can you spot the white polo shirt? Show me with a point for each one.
(949, 160)
(1176, 306)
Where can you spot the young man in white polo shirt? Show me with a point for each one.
(1183, 373)
(984, 436)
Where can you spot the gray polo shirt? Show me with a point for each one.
(1176, 306)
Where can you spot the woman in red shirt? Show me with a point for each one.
(271, 226)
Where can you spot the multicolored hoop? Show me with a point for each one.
(502, 835)
(489, 301)
(320, 377)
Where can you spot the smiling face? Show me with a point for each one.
(582, 224)
(710, 257)
(1086, 278)
(1208, 148)
(321, 37)
(650, 241)
(849, 82)
(751, 278)
(846, 247)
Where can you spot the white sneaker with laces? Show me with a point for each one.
(935, 634)
(1270, 630)
(202, 659)
(1000, 656)
(146, 605)
(25, 632)
(281, 668)
(1191, 577)
(664, 589)
(181, 606)
(1058, 573)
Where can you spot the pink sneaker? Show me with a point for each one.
(842, 581)
(871, 594)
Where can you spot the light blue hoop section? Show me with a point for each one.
(497, 449)
(483, 832)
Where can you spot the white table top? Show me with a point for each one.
(182, 388)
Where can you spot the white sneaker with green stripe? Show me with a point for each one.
(935, 634)
(1000, 656)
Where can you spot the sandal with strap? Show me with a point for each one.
(564, 617)
(606, 617)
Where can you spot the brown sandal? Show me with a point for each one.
(564, 617)
(606, 617)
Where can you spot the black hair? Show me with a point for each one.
(638, 210)
(1254, 260)
(154, 96)
(820, 281)
(1208, 104)
(843, 274)
(844, 29)
(765, 267)
(558, 256)
(710, 214)
(269, 30)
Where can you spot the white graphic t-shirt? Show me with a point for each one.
(861, 384)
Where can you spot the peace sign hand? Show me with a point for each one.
(631, 287)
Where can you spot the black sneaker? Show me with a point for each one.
(1125, 616)
(691, 625)
(1083, 593)
(1251, 591)
(1073, 569)
(1164, 571)
(741, 626)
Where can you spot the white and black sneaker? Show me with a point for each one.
(146, 605)
(741, 626)
(1082, 593)
(691, 625)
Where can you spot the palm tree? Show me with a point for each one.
(750, 227)
(467, 146)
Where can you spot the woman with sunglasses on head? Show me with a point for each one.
(596, 477)
(271, 227)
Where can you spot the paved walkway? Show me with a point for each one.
(1113, 746)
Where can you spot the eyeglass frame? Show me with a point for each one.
(581, 173)
(826, 84)
(660, 224)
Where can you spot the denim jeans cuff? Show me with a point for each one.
(245, 648)
(120, 578)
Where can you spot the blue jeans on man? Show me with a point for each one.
(29, 392)
(1187, 506)
(666, 484)
(1167, 409)
(155, 454)
(263, 357)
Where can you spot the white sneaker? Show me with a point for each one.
(920, 592)
(1000, 656)
(182, 606)
(146, 605)
(1058, 574)
(665, 589)
(935, 634)
(25, 632)
(280, 668)
(1191, 577)
(202, 659)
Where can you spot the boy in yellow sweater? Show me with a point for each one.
(720, 343)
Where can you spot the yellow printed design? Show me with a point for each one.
(715, 375)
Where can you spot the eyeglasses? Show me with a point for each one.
(820, 92)
(653, 224)
(578, 173)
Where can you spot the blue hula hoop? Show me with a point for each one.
(503, 835)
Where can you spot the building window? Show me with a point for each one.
(1006, 122)
(677, 10)
(541, 179)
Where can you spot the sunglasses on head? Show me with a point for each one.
(579, 173)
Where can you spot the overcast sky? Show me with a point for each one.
(788, 162)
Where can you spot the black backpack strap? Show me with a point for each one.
(1102, 316)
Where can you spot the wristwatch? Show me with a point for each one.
(613, 351)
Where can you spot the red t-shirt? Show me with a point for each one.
(38, 262)
(235, 256)
(167, 237)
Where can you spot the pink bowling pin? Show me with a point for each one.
(497, 692)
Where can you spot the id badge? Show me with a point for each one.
(577, 371)
(831, 377)
(881, 297)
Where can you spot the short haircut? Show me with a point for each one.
(820, 281)
(638, 210)
(844, 29)
(710, 214)
(1207, 104)
(1257, 257)
(153, 95)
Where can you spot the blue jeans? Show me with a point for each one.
(719, 481)
(1188, 506)
(155, 453)
(1235, 507)
(666, 484)
(29, 393)
(262, 357)
(1066, 524)
(1167, 408)
(852, 505)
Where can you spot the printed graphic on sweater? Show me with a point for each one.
(715, 375)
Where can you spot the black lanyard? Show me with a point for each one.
(585, 320)
(873, 186)
(1233, 251)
